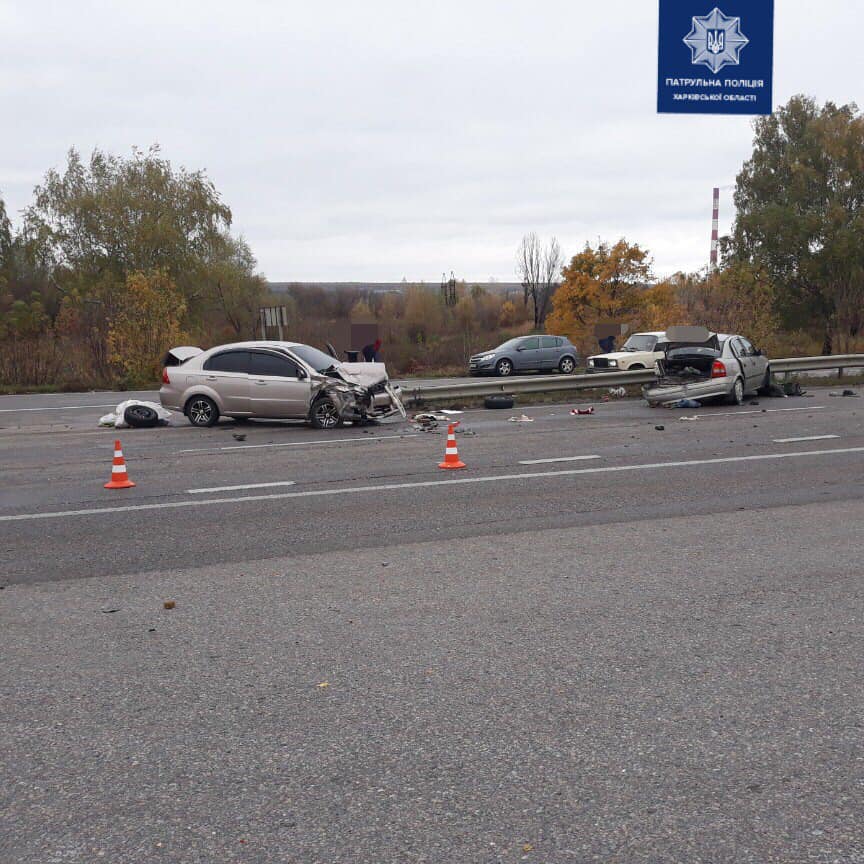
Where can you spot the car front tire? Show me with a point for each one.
(325, 414)
(202, 411)
(504, 368)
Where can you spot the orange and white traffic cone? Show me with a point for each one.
(119, 477)
(451, 454)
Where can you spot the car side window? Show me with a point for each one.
(559, 341)
(228, 361)
(530, 343)
(748, 348)
(549, 342)
(272, 364)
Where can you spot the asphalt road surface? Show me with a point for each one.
(599, 642)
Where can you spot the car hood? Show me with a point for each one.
(618, 355)
(364, 374)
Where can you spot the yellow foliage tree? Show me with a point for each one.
(659, 308)
(507, 316)
(605, 284)
(145, 324)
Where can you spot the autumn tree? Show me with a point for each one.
(144, 325)
(600, 284)
(800, 213)
(539, 270)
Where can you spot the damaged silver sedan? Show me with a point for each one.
(275, 380)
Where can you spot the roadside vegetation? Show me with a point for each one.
(118, 258)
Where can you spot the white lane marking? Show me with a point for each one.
(56, 408)
(235, 488)
(766, 411)
(300, 443)
(426, 484)
(559, 459)
(804, 438)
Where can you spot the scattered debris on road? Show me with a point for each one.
(524, 418)
(169, 604)
(581, 412)
(659, 428)
(685, 403)
(845, 393)
(238, 436)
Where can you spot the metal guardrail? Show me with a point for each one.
(471, 387)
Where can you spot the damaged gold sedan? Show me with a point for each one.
(275, 380)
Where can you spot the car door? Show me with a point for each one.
(278, 387)
(550, 351)
(226, 374)
(756, 365)
(527, 354)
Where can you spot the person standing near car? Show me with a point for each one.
(371, 352)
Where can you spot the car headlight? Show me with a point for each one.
(613, 362)
(590, 362)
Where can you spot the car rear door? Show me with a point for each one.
(550, 351)
(527, 354)
(226, 373)
(756, 365)
(278, 387)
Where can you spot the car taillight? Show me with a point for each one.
(718, 370)
(165, 378)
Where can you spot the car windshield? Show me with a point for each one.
(640, 342)
(318, 360)
(510, 343)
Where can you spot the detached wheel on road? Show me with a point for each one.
(202, 411)
(567, 366)
(324, 414)
(736, 397)
(504, 368)
(140, 417)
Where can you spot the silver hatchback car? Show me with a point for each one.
(279, 380)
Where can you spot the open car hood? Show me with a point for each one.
(364, 374)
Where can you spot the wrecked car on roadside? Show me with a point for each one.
(275, 380)
(700, 365)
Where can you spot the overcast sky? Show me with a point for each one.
(377, 140)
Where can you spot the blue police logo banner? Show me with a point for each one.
(715, 60)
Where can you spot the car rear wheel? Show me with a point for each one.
(765, 389)
(324, 414)
(567, 365)
(736, 397)
(202, 411)
(504, 367)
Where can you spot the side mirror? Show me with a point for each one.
(301, 374)
(757, 352)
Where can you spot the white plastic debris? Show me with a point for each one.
(523, 419)
(115, 418)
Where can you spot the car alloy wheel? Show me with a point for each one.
(325, 414)
(567, 365)
(201, 412)
(738, 392)
(504, 368)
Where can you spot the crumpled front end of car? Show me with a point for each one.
(356, 401)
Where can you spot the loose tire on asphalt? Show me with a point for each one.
(498, 402)
(140, 417)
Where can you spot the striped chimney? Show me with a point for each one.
(715, 219)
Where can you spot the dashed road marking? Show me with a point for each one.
(300, 443)
(558, 459)
(427, 484)
(804, 438)
(237, 488)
